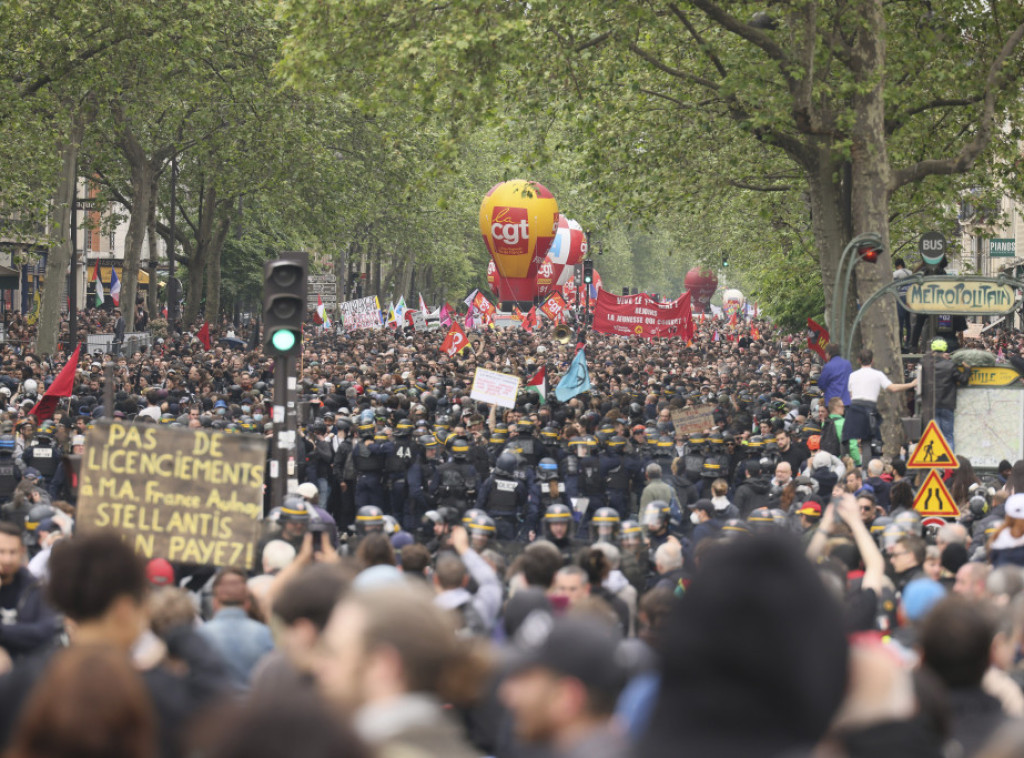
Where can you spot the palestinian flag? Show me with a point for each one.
(540, 383)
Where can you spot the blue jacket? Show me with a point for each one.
(835, 379)
(241, 642)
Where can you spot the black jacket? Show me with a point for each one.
(753, 493)
(36, 625)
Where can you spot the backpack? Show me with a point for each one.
(830, 441)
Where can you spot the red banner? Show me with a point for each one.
(817, 337)
(643, 316)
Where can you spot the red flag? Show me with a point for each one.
(530, 321)
(554, 307)
(732, 320)
(62, 386)
(95, 273)
(755, 333)
(203, 335)
(817, 337)
(455, 341)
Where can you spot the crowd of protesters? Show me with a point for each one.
(578, 578)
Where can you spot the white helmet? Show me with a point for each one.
(31, 386)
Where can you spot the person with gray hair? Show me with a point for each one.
(617, 583)
(656, 488)
(668, 563)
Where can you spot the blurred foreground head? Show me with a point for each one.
(757, 640)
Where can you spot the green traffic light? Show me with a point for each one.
(283, 340)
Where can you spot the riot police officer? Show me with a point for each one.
(457, 482)
(421, 481)
(396, 468)
(42, 452)
(481, 531)
(11, 468)
(558, 529)
(367, 460)
(616, 475)
(549, 488)
(504, 497)
(604, 525)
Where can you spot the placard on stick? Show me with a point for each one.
(495, 388)
(187, 495)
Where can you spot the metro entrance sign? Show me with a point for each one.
(961, 295)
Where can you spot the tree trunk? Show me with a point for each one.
(870, 206)
(213, 270)
(142, 188)
(151, 236)
(829, 220)
(200, 260)
(59, 257)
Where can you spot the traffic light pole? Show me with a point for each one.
(282, 461)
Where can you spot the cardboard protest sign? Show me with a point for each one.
(693, 420)
(495, 388)
(191, 496)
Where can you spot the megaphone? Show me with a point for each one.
(563, 334)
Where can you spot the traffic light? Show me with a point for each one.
(588, 271)
(869, 251)
(284, 305)
(725, 260)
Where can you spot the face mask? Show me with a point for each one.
(245, 410)
(257, 417)
(694, 518)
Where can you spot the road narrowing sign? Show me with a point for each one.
(933, 499)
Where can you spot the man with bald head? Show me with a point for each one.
(783, 474)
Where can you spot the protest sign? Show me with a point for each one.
(363, 313)
(190, 496)
(693, 420)
(643, 316)
(495, 388)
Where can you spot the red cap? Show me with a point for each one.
(160, 573)
(810, 509)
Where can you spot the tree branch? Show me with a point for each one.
(751, 34)
(996, 80)
(677, 73)
(593, 41)
(758, 188)
(704, 46)
(900, 119)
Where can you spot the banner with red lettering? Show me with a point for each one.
(554, 307)
(643, 316)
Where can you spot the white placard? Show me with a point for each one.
(495, 388)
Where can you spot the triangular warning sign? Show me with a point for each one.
(933, 499)
(933, 451)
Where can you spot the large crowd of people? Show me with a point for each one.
(589, 577)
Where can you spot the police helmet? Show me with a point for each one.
(735, 527)
(761, 519)
(506, 463)
(460, 448)
(369, 519)
(655, 516)
(481, 530)
(547, 469)
(366, 430)
(524, 427)
(391, 525)
(403, 428)
(780, 517)
(294, 510)
(556, 516)
(910, 521)
(605, 524)
(36, 515)
(616, 442)
(630, 533)
(7, 443)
